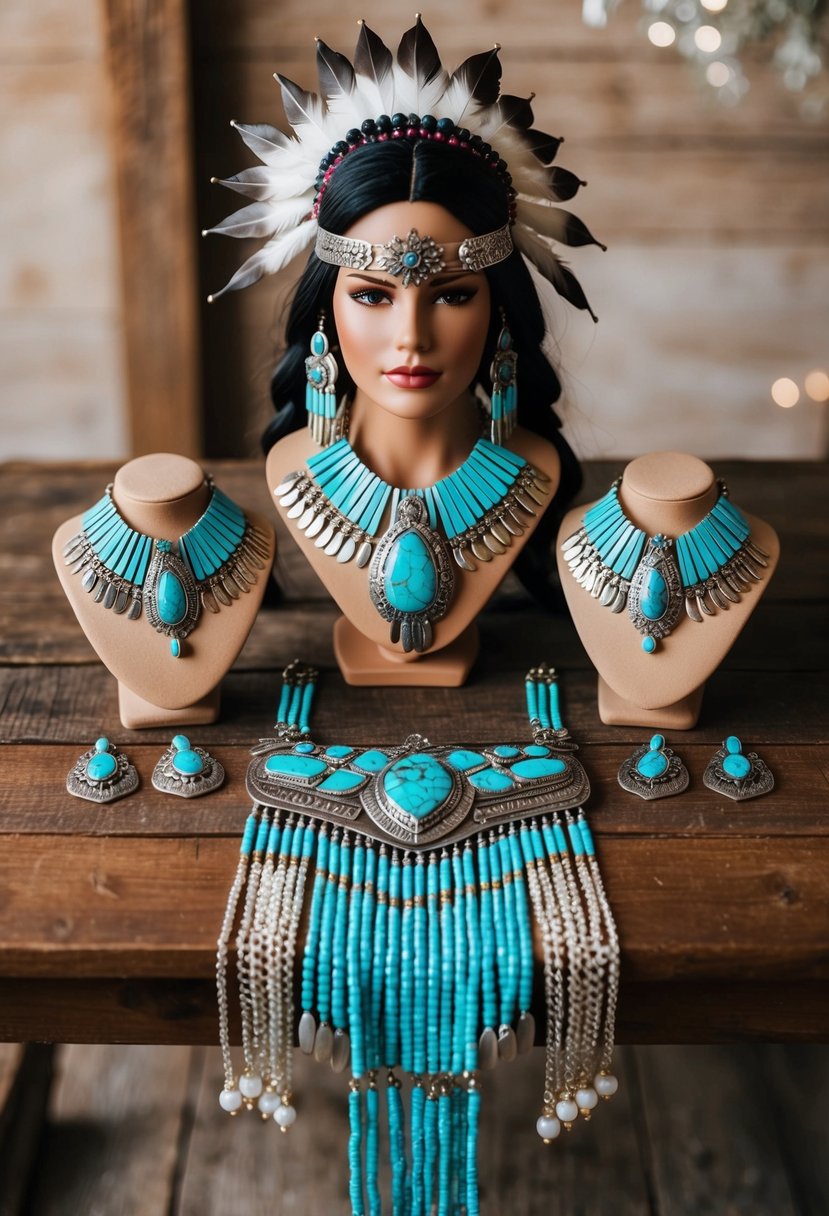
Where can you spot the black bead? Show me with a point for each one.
(414, 120)
(383, 124)
(368, 127)
(353, 136)
(445, 126)
(463, 135)
(398, 120)
(501, 166)
(429, 123)
(340, 148)
(475, 142)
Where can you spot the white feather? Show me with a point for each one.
(266, 218)
(271, 258)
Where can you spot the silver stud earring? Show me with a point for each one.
(102, 774)
(738, 776)
(653, 771)
(187, 771)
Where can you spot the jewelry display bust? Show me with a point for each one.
(659, 683)
(160, 498)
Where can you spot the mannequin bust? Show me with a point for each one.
(163, 496)
(669, 493)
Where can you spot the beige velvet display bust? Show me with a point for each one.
(670, 493)
(162, 496)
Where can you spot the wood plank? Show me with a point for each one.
(712, 1142)
(797, 1081)
(115, 1121)
(34, 802)
(728, 907)
(149, 69)
(183, 1011)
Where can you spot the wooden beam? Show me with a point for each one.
(149, 62)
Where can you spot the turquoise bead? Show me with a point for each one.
(102, 744)
(170, 599)
(418, 784)
(295, 766)
(371, 761)
(342, 781)
(411, 259)
(339, 750)
(175, 648)
(318, 344)
(188, 763)
(506, 752)
(649, 645)
(316, 375)
(535, 749)
(732, 745)
(463, 759)
(538, 768)
(737, 766)
(505, 341)
(101, 766)
(409, 576)
(653, 601)
(491, 781)
(304, 749)
(653, 763)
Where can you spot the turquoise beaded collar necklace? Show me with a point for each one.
(209, 566)
(425, 868)
(706, 568)
(478, 508)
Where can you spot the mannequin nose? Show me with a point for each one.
(414, 332)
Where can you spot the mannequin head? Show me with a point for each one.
(474, 199)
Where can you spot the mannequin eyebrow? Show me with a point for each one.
(437, 281)
(365, 278)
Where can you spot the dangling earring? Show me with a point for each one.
(504, 386)
(320, 394)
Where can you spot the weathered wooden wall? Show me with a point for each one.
(716, 281)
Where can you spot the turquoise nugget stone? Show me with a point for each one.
(339, 750)
(342, 781)
(736, 766)
(189, 763)
(295, 766)
(536, 749)
(506, 752)
(170, 599)
(302, 749)
(538, 768)
(463, 759)
(410, 578)
(652, 764)
(491, 781)
(418, 784)
(372, 760)
(653, 601)
(100, 766)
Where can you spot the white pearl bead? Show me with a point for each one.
(251, 1086)
(230, 1100)
(586, 1099)
(548, 1127)
(269, 1102)
(605, 1084)
(285, 1116)
(567, 1110)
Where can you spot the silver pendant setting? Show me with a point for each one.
(186, 770)
(102, 774)
(411, 578)
(653, 771)
(171, 598)
(737, 775)
(655, 597)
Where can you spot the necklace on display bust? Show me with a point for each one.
(209, 566)
(620, 565)
(471, 515)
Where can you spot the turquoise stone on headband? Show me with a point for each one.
(538, 768)
(371, 761)
(170, 599)
(653, 601)
(735, 764)
(418, 784)
(410, 259)
(295, 766)
(342, 781)
(103, 764)
(491, 781)
(463, 759)
(186, 761)
(409, 576)
(654, 763)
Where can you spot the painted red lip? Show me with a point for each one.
(412, 377)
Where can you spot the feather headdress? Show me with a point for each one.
(410, 96)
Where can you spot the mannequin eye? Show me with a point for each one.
(371, 296)
(455, 297)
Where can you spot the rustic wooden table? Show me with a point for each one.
(108, 915)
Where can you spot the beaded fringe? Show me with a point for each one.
(419, 964)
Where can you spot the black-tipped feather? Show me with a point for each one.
(564, 184)
(542, 145)
(569, 288)
(418, 55)
(480, 76)
(576, 232)
(373, 58)
(336, 74)
(515, 112)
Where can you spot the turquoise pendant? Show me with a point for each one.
(171, 598)
(655, 597)
(411, 578)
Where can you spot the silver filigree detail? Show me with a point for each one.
(672, 781)
(474, 254)
(413, 259)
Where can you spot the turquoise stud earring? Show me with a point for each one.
(653, 771)
(187, 771)
(504, 386)
(102, 774)
(320, 392)
(738, 776)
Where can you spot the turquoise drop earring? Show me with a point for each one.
(653, 771)
(736, 774)
(102, 774)
(504, 386)
(320, 392)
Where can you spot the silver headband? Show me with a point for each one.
(415, 258)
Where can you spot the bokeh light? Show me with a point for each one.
(718, 73)
(785, 393)
(714, 6)
(817, 385)
(661, 34)
(708, 39)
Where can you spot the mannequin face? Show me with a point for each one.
(438, 328)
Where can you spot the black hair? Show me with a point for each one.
(419, 170)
